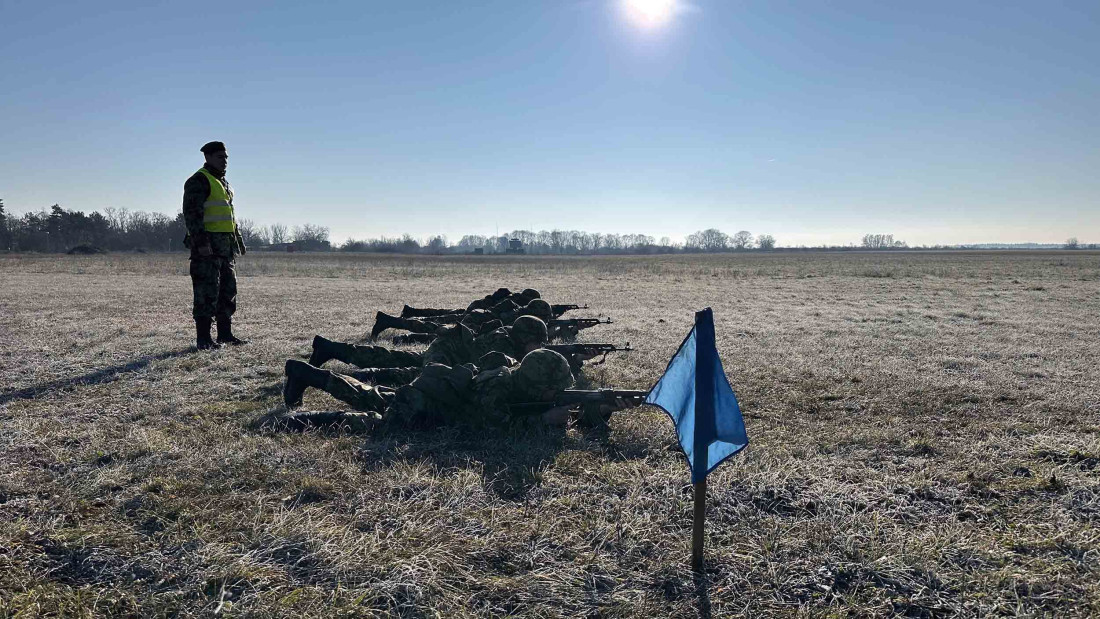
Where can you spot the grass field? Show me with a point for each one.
(925, 441)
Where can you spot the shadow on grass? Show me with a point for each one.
(104, 375)
(512, 462)
(702, 585)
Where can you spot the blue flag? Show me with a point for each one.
(697, 396)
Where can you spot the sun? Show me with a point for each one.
(649, 13)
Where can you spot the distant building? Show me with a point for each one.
(515, 246)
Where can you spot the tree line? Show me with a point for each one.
(566, 242)
(59, 230)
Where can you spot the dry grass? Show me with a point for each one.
(924, 426)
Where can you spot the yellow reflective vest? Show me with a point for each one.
(217, 211)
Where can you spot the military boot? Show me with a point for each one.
(382, 321)
(300, 375)
(202, 335)
(323, 351)
(225, 332)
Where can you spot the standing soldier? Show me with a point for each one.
(213, 238)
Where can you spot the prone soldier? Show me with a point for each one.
(454, 345)
(463, 394)
(479, 319)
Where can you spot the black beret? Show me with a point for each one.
(212, 147)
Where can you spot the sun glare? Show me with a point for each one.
(649, 13)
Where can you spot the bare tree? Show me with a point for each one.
(1071, 243)
(251, 233)
(711, 239)
(881, 241)
(741, 240)
(765, 242)
(557, 241)
(310, 232)
(279, 234)
(311, 237)
(437, 244)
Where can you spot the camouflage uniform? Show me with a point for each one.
(460, 395)
(455, 345)
(479, 320)
(489, 301)
(212, 277)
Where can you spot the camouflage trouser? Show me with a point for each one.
(389, 377)
(438, 396)
(377, 357)
(215, 286)
(361, 397)
(415, 325)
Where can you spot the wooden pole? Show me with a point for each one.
(697, 529)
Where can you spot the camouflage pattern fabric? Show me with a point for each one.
(415, 325)
(453, 345)
(538, 308)
(489, 301)
(360, 396)
(475, 319)
(443, 395)
(507, 306)
(494, 360)
(390, 377)
(214, 283)
(437, 397)
(500, 340)
(540, 371)
(379, 357)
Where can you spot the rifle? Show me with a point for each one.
(589, 404)
(558, 310)
(570, 350)
(573, 325)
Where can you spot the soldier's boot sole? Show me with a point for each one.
(299, 376)
(321, 351)
(382, 321)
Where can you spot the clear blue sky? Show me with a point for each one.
(815, 122)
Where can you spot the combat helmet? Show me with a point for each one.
(539, 309)
(530, 293)
(529, 329)
(540, 371)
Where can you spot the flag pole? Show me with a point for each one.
(697, 529)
